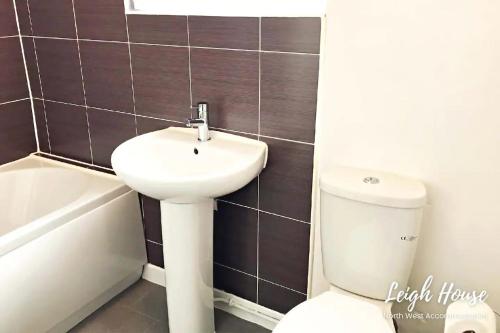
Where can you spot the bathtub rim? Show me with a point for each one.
(40, 226)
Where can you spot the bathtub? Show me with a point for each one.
(70, 240)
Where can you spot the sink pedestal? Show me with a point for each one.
(187, 231)
(173, 166)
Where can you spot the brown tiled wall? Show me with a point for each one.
(101, 78)
(17, 138)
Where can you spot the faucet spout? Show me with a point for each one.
(201, 122)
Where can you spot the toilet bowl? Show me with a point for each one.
(370, 223)
(338, 311)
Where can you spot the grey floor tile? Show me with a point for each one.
(133, 293)
(142, 308)
(153, 303)
(226, 323)
(116, 318)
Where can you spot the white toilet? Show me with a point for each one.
(370, 223)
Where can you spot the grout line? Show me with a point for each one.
(150, 241)
(106, 41)
(263, 211)
(286, 52)
(260, 74)
(258, 176)
(131, 75)
(14, 101)
(285, 217)
(233, 131)
(28, 81)
(11, 36)
(109, 110)
(284, 287)
(288, 140)
(145, 44)
(248, 274)
(189, 68)
(49, 37)
(173, 45)
(77, 162)
(258, 236)
(39, 79)
(83, 83)
(59, 102)
(172, 121)
(234, 269)
(246, 50)
(222, 49)
(258, 135)
(176, 121)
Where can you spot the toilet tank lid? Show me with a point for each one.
(375, 187)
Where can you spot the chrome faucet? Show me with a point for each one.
(201, 122)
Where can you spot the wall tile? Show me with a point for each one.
(101, 20)
(291, 34)
(229, 82)
(31, 64)
(8, 25)
(278, 298)
(155, 254)
(152, 219)
(43, 139)
(235, 282)
(158, 29)
(106, 71)
(289, 91)
(24, 18)
(12, 75)
(224, 32)
(247, 196)
(286, 182)
(68, 130)
(284, 251)
(235, 237)
(60, 70)
(52, 18)
(17, 137)
(161, 81)
(146, 125)
(107, 131)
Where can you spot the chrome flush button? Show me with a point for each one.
(371, 180)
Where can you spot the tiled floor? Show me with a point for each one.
(143, 308)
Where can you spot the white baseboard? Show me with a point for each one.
(154, 274)
(229, 303)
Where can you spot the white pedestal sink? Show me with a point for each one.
(171, 165)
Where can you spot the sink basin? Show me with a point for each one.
(173, 165)
(185, 174)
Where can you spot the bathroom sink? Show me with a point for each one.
(186, 174)
(173, 165)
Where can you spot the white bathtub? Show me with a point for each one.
(70, 240)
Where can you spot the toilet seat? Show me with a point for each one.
(332, 312)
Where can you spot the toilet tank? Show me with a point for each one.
(370, 224)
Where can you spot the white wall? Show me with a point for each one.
(413, 87)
